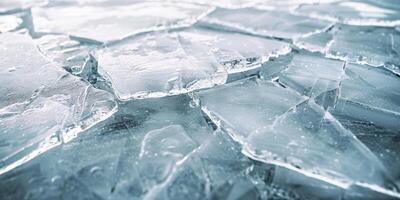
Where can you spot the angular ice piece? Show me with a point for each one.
(41, 105)
(312, 74)
(368, 101)
(302, 137)
(237, 52)
(158, 65)
(354, 44)
(256, 103)
(271, 23)
(355, 13)
(179, 62)
(9, 23)
(121, 158)
(111, 23)
(71, 54)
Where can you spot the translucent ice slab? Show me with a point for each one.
(272, 23)
(41, 105)
(365, 45)
(282, 129)
(111, 23)
(172, 63)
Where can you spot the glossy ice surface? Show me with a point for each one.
(229, 99)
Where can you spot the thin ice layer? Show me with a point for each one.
(370, 13)
(271, 23)
(41, 104)
(298, 136)
(166, 64)
(111, 23)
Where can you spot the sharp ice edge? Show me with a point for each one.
(246, 150)
(53, 141)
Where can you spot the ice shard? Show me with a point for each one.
(299, 135)
(41, 104)
(114, 22)
(166, 64)
(279, 24)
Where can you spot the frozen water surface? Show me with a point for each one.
(228, 99)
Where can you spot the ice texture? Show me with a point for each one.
(164, 64)
(9, 23)
(106, 24)
(355, 44)
(252, 20)
(367, 12)
(294, 133)
(41, 105)
(228, 99)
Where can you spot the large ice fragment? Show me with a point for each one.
(272, 23)
(372, 13)
(172, 63)
(41, 105)
(370, 45)
(311, 75)
(302, 136)
(114, 22)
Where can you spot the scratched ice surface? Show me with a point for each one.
(224, 99)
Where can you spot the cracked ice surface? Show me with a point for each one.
(39, 113)
(227, 99)
(182, 61)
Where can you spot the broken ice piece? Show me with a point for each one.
(371, 13)
(41, 105)
(299, 136)
(71, 54)
(376, 46)
(166, 64)
(9, 23)
(111, 23)
(311, 74)
(237, 52)
(258, 104)
(369, 97)
(271, 23)
(158, 65)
